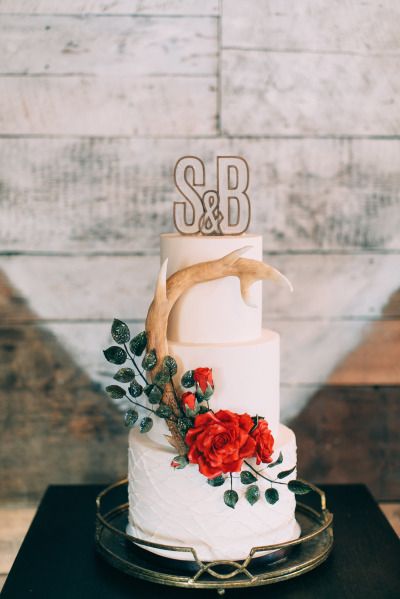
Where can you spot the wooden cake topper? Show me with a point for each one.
(168, 292)
(222, 211)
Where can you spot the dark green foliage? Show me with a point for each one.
(138, 343)
(170, 364)
(252, 494)
(150, 360)
(271, 495)
(120, 331)
(247, 477)
(124, 375)
(130, 417)
(286, 473)
(278, 461)
(146, 424)
(298, 487)
(187, 379)
(217, 481)
(231, 498)
(163, 411)
(115, 354)
(162, 377)
(115, 392)
(135, 390)
(154, 393)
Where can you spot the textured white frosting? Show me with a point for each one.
(212, 312)
(179, 507)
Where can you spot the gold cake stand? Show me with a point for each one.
(286, 560)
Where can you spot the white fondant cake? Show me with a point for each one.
(178, 507)
(211, 326)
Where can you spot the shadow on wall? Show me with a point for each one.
(56, 425)
(350, 433)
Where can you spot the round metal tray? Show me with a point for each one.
(288, 560)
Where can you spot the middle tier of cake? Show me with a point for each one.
(246, 376)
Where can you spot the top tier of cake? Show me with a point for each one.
(212, 312)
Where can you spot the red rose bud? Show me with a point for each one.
(203, 377)
(189, 401)
(179, 462)
(264, 442)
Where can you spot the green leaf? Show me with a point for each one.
(231, 498)
(298, 487)
(184, 424)
(272, 496)
(247, 477)
(217, 481)
(187, 379)
(115, 392)
(124, 375)
(163, 411)
(120, 331)
(130, 417)
(135, 390)
(203, 409)
(170, 364)
(115, 354)
(145, 424)
(278, 461)
(138, 343)
(180, 461)
(252, 494)
(286, 473)
(150, 360)
(162, 377)
(154, 393)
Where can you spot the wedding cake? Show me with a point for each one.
(210, 465)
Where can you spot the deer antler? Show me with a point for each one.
(168, 292)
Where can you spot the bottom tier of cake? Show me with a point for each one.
(179, 507)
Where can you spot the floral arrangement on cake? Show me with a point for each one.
(219, 442)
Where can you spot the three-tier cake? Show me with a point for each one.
(187, 502)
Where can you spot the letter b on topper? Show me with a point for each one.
(224, 211)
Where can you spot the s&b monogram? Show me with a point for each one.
(222, 211)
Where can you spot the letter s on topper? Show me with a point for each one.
(188, 212)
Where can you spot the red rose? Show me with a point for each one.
(264, 442)
(219, 442)
(189, 400)
(203, 376)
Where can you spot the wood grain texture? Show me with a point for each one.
(113, 105)
(56, 424)
(117, 194)
(107, 46)
(351, 434)
(104, 7)
(312, 25)
(272, 93)
(127, 281)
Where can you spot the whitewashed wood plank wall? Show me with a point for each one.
(99, 99)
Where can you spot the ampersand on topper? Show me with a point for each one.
(224, 211)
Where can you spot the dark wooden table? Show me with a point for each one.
(57, 559)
